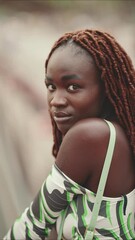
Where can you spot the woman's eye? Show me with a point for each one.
(73, 87)
(50, 87)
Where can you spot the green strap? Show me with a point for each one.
(101, 186)
(102, 182)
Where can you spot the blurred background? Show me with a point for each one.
(28, 30)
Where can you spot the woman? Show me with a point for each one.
(89, 79)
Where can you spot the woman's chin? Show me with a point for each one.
(64, 128)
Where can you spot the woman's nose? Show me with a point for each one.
(59, 99)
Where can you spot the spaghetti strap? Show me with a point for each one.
(90, 229)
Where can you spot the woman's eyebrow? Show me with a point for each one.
(48, 79)
(63, 78)
(70, 77)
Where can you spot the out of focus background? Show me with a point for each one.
(28, 29)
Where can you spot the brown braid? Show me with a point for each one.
(116, 71)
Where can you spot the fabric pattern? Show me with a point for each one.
(116, 218)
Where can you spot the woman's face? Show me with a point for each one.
(74, 91)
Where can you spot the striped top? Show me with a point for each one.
(58, 192)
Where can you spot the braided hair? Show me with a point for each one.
(115, 70)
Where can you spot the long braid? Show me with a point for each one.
(116, 71)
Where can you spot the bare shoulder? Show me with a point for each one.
(82, 154)
(91, 128)
(82, 147)
(88, 130)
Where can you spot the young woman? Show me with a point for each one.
(90, 82)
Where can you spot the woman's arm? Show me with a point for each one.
(37, 221)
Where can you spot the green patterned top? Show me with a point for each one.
(116, 219)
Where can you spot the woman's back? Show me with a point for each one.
(84, 150)
(116, 215)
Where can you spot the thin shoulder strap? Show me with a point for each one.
(102, 183)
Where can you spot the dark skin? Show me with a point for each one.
(76, 100)
(88, 140)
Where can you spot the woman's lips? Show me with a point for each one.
(61, 117)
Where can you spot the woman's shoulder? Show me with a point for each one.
(91, 138)
(90, 128)
(87, 133)
(95, 130)
(82, 146)
(83, 151)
